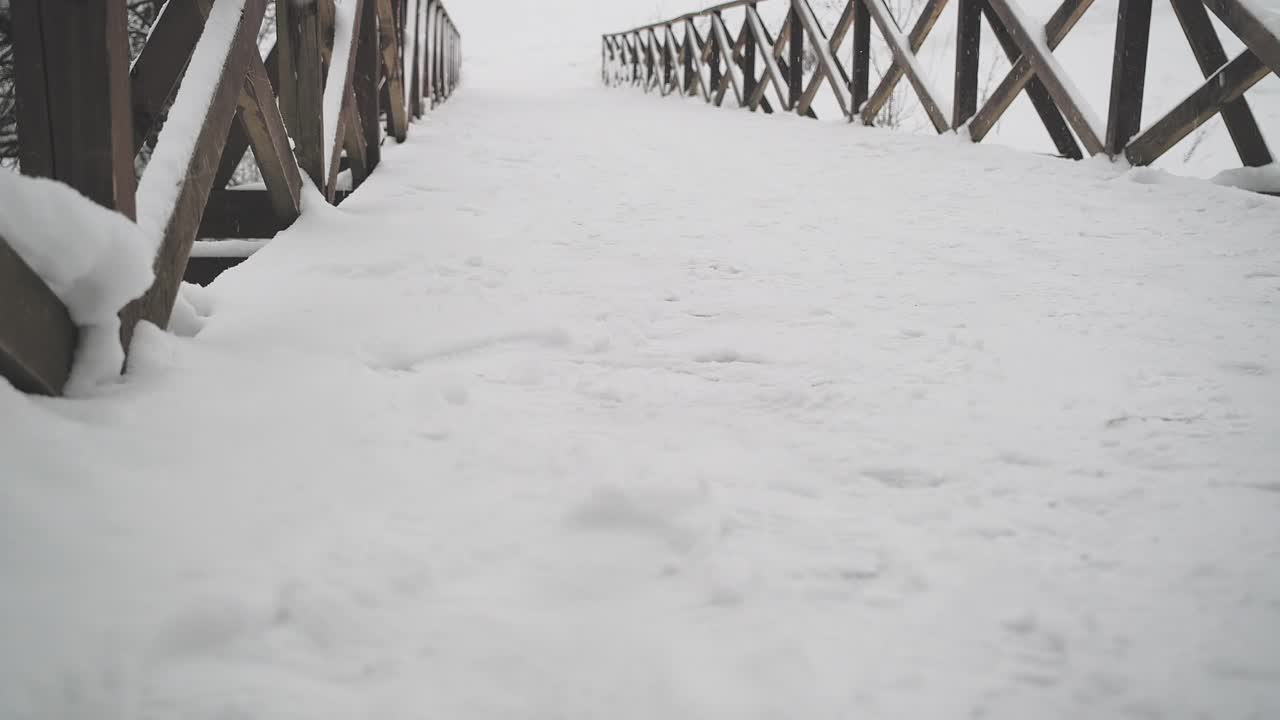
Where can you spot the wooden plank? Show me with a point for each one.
(904, 57)
(1227, 84)
(260, 120)
(154, 77)
(677, 61)
(1128, 73)
(968, 56)
(357, 159)
(860, 69)
(1050, 73)
(915, 40)
(415, 81)
(393, 71)
(726, 50)
(343, 75)
(827, 64)
(795, 58)
(74, 117)
(367, 78)
(773, 71)
(833, 43)
(184, 222)
(1021, 74)
(1210, 55)
(299, 39)
(238, 139)
(748, 62)
(37, 338)
(695, 45)
(1247, 26)
(1054, 123)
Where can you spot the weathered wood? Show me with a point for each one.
(904, 58)
(342, 75)
(184, 220)
(1050, 73)
(259, 118)
(1022, 74)
(1054, 123)
(1255, 35)
(721, 35)
(773, 70)
(795, 59)
(415, 82)
(860, 69)
(74, 117)
(833, 44)
(353, 142)
(299, 40)
(695, 45)
(968, 55)
(1226, 85)
(748, 62)
(827, 64)
(238, 139)
(160, 64)
(393, 70)
(1128, 73)
(368, 76)
(37, 338)
(1210, 55)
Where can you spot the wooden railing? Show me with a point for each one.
(675, 56)
(334, 75)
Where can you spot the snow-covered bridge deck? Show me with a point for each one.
(568, 414)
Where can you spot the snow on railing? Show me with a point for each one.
(77, 274)
(711, 61)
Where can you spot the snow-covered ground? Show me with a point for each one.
(590, 404)
(566, 415)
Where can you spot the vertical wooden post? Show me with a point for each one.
(690, 74)
(1128, 74)
(748, 62)
(860, 73)
(415, 75)
(795, 59)
(368, 75)
(968, 54)
(666, 62)
(301, 87)
(73, 113)
(1237, 115)
(714, 62)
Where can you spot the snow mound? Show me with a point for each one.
(93, 259)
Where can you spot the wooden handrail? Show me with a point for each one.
(72, 63)
(721, 62)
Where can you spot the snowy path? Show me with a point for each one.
(762, 419)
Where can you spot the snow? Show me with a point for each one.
(1268, 16)
(335, 85)
(1258, 179)
(93, 259)
(167, 170)
(226, 248)
(943, 431)
(577, 409)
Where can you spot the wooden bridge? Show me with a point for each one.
(338, 79)
(341, 77)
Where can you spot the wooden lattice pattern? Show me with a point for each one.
(673, 56)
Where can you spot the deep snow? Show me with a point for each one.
(569, 414)
(591, 404)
